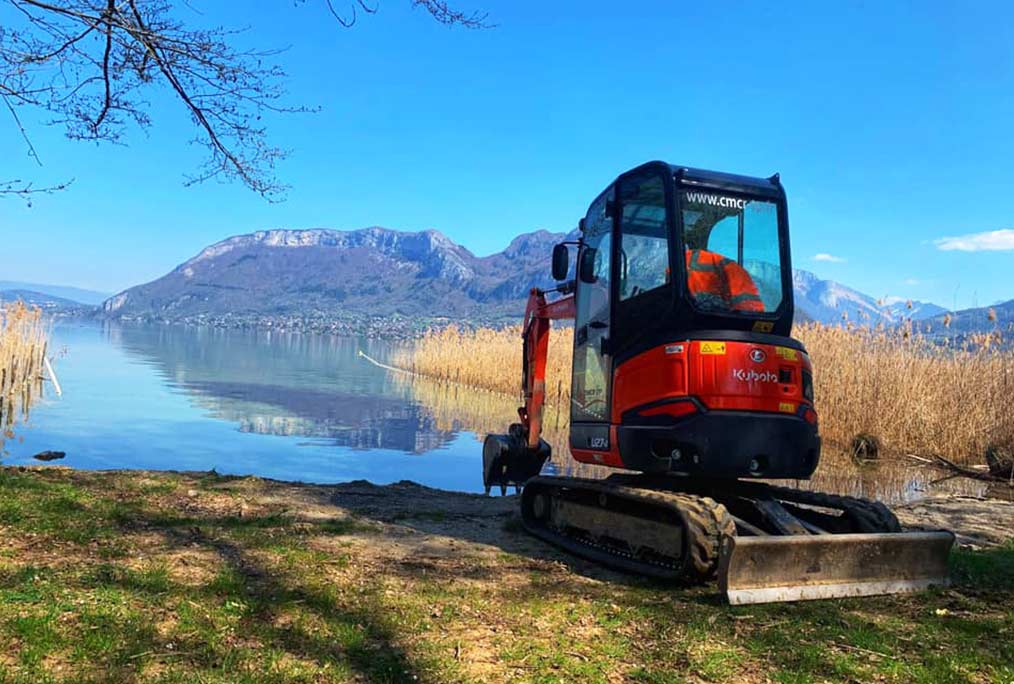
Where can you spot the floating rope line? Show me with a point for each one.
(445, 381)
(378, 364)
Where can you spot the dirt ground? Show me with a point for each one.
(421, 521)
(977, 523)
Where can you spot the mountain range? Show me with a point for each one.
(382, 272)
(373, 271)
(827, 301)
(357, 281)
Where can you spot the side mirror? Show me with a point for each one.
(586, 267)
(561, 262)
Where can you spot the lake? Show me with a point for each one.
(287, 406)
(302, 407)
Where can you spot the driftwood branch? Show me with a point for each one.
(942, 463)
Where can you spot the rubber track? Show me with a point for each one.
(868, 516)
(706, 522)
(865, 515)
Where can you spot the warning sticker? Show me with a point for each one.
(786, 407)
(713, 348)
(787, 354)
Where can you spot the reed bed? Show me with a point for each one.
(488, 359)
(913, 395)
(23, 340)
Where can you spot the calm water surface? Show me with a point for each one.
(288, 406)
(305, 407)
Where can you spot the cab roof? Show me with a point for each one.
(719, 180)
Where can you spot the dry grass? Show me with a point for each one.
(23, 339)
(916, 398)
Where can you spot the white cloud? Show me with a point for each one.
(912, 281)
(824, 256)
(990, 241)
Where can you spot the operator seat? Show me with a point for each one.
(720, 284)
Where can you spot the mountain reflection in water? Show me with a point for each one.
(289, 384)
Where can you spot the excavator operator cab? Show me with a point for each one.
(675, 265)
(725, 238)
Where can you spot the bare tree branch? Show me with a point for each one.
(347, 23)
(21, 129)
(445, 14)
(105, 66)
(88, 63)
(25, 191)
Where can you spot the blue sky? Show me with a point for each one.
(890, 123)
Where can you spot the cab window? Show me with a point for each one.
(590, 382)
(644, 239)
(733, 254)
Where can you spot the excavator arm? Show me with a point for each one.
(538, 315)
(514, 458)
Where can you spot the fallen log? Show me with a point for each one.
(982, 473)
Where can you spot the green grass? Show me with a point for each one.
(108, 578)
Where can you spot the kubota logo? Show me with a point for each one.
(757, 355)
(753, 376)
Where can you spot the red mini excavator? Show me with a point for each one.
(686, 377)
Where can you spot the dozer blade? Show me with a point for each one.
(769, 569)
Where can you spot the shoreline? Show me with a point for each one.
(978, 522)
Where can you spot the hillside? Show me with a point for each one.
(48, 303)
(960, 324)
(373, 271)
(76, 295)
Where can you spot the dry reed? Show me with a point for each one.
(488, 359)
(23, 340)
(914, 396)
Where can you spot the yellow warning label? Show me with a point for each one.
(786, 407)
(763, 326)
(713, 348)
(787, 354)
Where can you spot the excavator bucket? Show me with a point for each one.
(770, 569)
